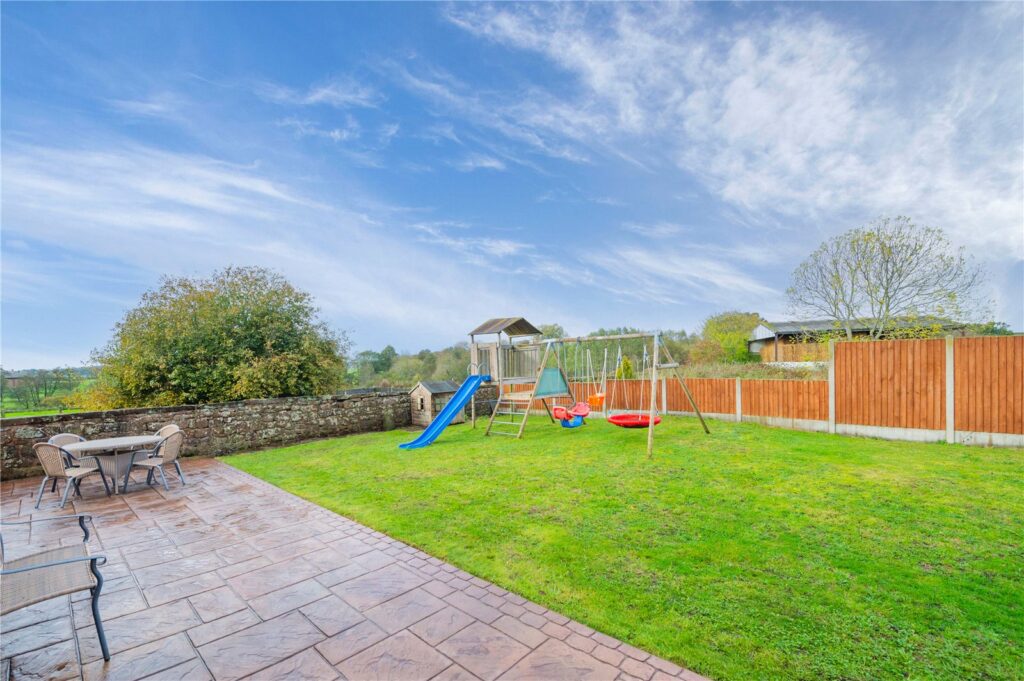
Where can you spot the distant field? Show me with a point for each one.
(15, 413)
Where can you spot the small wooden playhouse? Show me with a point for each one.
(428, 398)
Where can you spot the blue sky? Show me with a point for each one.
(422, 167)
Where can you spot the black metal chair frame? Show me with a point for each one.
(94, 562)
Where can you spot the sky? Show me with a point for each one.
(420, 168)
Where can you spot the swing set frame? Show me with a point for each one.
(658, 347)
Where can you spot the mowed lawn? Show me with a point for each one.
(751, 553)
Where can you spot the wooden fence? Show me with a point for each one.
(954, 389)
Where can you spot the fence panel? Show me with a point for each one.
(988, 384)
(785, 399)
(894, 384)
(712, 395)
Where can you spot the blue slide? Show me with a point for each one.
(454, 406)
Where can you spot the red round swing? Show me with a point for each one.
(632, 420)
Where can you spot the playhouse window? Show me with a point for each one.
(422, 406)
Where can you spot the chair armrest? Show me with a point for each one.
(99, 559)
(82, 517)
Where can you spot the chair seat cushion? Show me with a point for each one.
(150, 463)
(34, 586)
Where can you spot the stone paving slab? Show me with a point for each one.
(229, 578)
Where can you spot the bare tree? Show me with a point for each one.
(888, 273)
(826, 284)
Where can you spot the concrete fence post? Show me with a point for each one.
(664, 396)
(739, 401)
(832, 385)
(950, 392)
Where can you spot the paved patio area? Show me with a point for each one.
(229, 577)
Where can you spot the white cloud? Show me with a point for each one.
(675, 277)
(471, 162)
(146, 213)
(341, 92)
(303, 128)
(657, 230)
(161, 105)
(793, 118)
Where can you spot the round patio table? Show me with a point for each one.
(113, 453)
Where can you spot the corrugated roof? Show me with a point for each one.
(512, 326)
(817, 325)
(440, 387)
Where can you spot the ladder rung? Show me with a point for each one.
(507, 423)
(669, 365)
(498, 432)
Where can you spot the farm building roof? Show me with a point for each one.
(439, 387)
(798, 327)
(512, 326)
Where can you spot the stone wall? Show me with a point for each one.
(214, 428)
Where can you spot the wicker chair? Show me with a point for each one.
(57, 466)
(55, 572)
(154, 460)
(61, 439)
(167, 430)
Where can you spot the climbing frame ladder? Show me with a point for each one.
(512, 409)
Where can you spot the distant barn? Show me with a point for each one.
(428, 399)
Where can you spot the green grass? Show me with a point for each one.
(751, 553)
(36, 412)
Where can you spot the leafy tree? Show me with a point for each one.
(625, 369)
(244, 332)
(452, 363)
(885, 276)
(428, 359)
(551, 331)
(385, 359)
(729, 331)
(990, 329)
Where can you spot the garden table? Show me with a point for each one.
(113, 453)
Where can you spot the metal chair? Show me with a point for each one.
(166, 452)
(56, 465)
(55, 572)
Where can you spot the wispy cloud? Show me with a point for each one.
(304, 128)
(341, 92)
(789, 118)
(160, 105)
(471, 162)
(657, 230)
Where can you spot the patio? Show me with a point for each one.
(230, 578)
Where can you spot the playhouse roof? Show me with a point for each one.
(439, 387)
(512, 326)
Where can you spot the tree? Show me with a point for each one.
(891, 273)
(625, 368)
(551, 331)
(428, 358)
(724, 337)
(992, 328)
(244, 332)
(385, 358)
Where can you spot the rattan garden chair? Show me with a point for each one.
(167, 430)
(55, 572)
(154, 460)
(61, 439)
(56, 465)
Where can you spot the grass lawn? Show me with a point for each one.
(751, 553)
(36, 412)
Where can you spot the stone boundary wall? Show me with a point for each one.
(214, 428)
